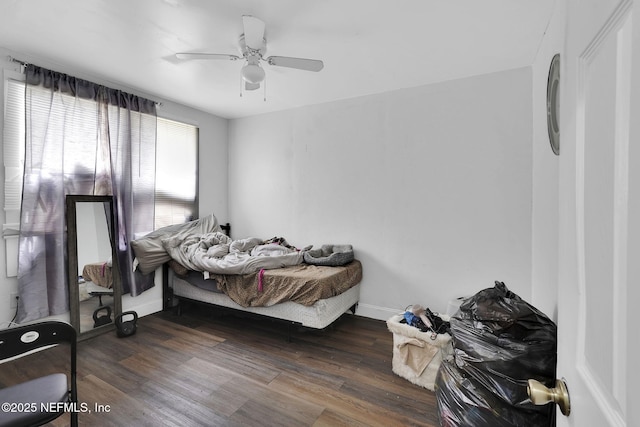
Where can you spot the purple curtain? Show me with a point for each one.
(132, 137)
(81, 138)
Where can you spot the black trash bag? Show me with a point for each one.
(500, 342)
(464, 402)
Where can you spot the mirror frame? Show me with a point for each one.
(72, 264)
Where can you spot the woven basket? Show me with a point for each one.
(442, 341)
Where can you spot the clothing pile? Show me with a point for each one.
(425, 320)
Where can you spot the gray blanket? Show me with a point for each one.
(217, 253)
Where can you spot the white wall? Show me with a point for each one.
(212, 175)
(92, 230)
(432, 186)
(545, 176)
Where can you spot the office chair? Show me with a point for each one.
(41, 400)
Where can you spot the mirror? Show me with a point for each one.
(93, 274)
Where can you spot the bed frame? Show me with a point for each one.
(317, 316)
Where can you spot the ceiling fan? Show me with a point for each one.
(253, 46)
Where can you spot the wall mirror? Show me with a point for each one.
(93, 274)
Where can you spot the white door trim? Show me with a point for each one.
(612, 402)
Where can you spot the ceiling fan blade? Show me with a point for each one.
(206, 56)
(299, 63)
(253, 32)
(251, 86)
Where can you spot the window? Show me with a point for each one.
(14, 123)
(13, 141)
(176, 173)
(176, 164)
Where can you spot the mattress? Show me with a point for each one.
(318, 315)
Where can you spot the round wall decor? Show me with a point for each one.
(553, 104)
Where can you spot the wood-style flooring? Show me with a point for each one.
(198, 369)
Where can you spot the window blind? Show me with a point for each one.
(176, 173)
(13, 142)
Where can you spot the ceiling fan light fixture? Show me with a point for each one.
(253, 46)
(252, 73)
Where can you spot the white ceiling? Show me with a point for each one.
(368, 46)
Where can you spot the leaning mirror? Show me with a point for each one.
(93, 275)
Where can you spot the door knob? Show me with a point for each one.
(541, 395)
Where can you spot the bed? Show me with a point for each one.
(97, 281)
(318, 315)
(264, 277)
(98, 273)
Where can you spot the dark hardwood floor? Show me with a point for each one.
(201, 369)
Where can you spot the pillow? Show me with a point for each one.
(149, 250)
(330, 255)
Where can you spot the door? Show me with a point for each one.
(599, 240)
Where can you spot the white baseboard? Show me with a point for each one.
(143, 309)
(376, 312)
(148, 302)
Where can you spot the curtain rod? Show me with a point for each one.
(12, 59)
(24, 64)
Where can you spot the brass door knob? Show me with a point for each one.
(541, 395)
